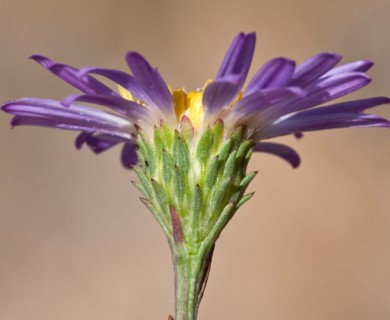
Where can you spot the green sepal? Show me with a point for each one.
(247, 158)
(180, 153)
(221, 222)
(230, 165)
(148, 152)
(236, 196)
(217, 134)
(244, 199)
(196, 213)
(160, 196)
(236, 136)
(179, 184)
(247, 179)
(140, 188)
(218, 195)
(167, 135)
(212, 173)
(196, 204)
(144, 181)
(186, 129)
(157, 215)
(167, 166)
(159, 143)
(225, 149)
(243, 149)
(202, 177)
(204, 146)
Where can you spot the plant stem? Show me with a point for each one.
(191, 273)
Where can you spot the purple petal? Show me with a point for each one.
(322, 91)
(348, 106)
(69, 74)
(98, 143)
(257, 101)
(130, 109)
(51, 113)
(129, 155)
(150, 81)
(276, 73)
(220, 93)
(280, 150)
(119, 77)
(239, 56)
(232, 73)
(357, 66)
(313, 68)
(302, 122)
(81, 139)
(331, 88)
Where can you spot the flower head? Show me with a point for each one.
(282, 98)
(193, 147)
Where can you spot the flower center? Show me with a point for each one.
(188, 104)
(184, 103)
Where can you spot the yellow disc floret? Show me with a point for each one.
(179, 102)
(185, 103)
(194, 107)
(189, 104)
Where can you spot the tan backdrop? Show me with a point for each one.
(75, 242)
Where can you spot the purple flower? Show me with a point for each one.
(281, 99)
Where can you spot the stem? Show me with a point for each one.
(191, 273)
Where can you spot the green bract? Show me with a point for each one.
(193, 184)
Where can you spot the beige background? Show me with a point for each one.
(75, 242)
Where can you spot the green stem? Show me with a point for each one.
(191, 273)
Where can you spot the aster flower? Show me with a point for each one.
(190, 149)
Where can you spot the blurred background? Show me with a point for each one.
(75, 241)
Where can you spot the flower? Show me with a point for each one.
(190, 149)
(281, 99)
